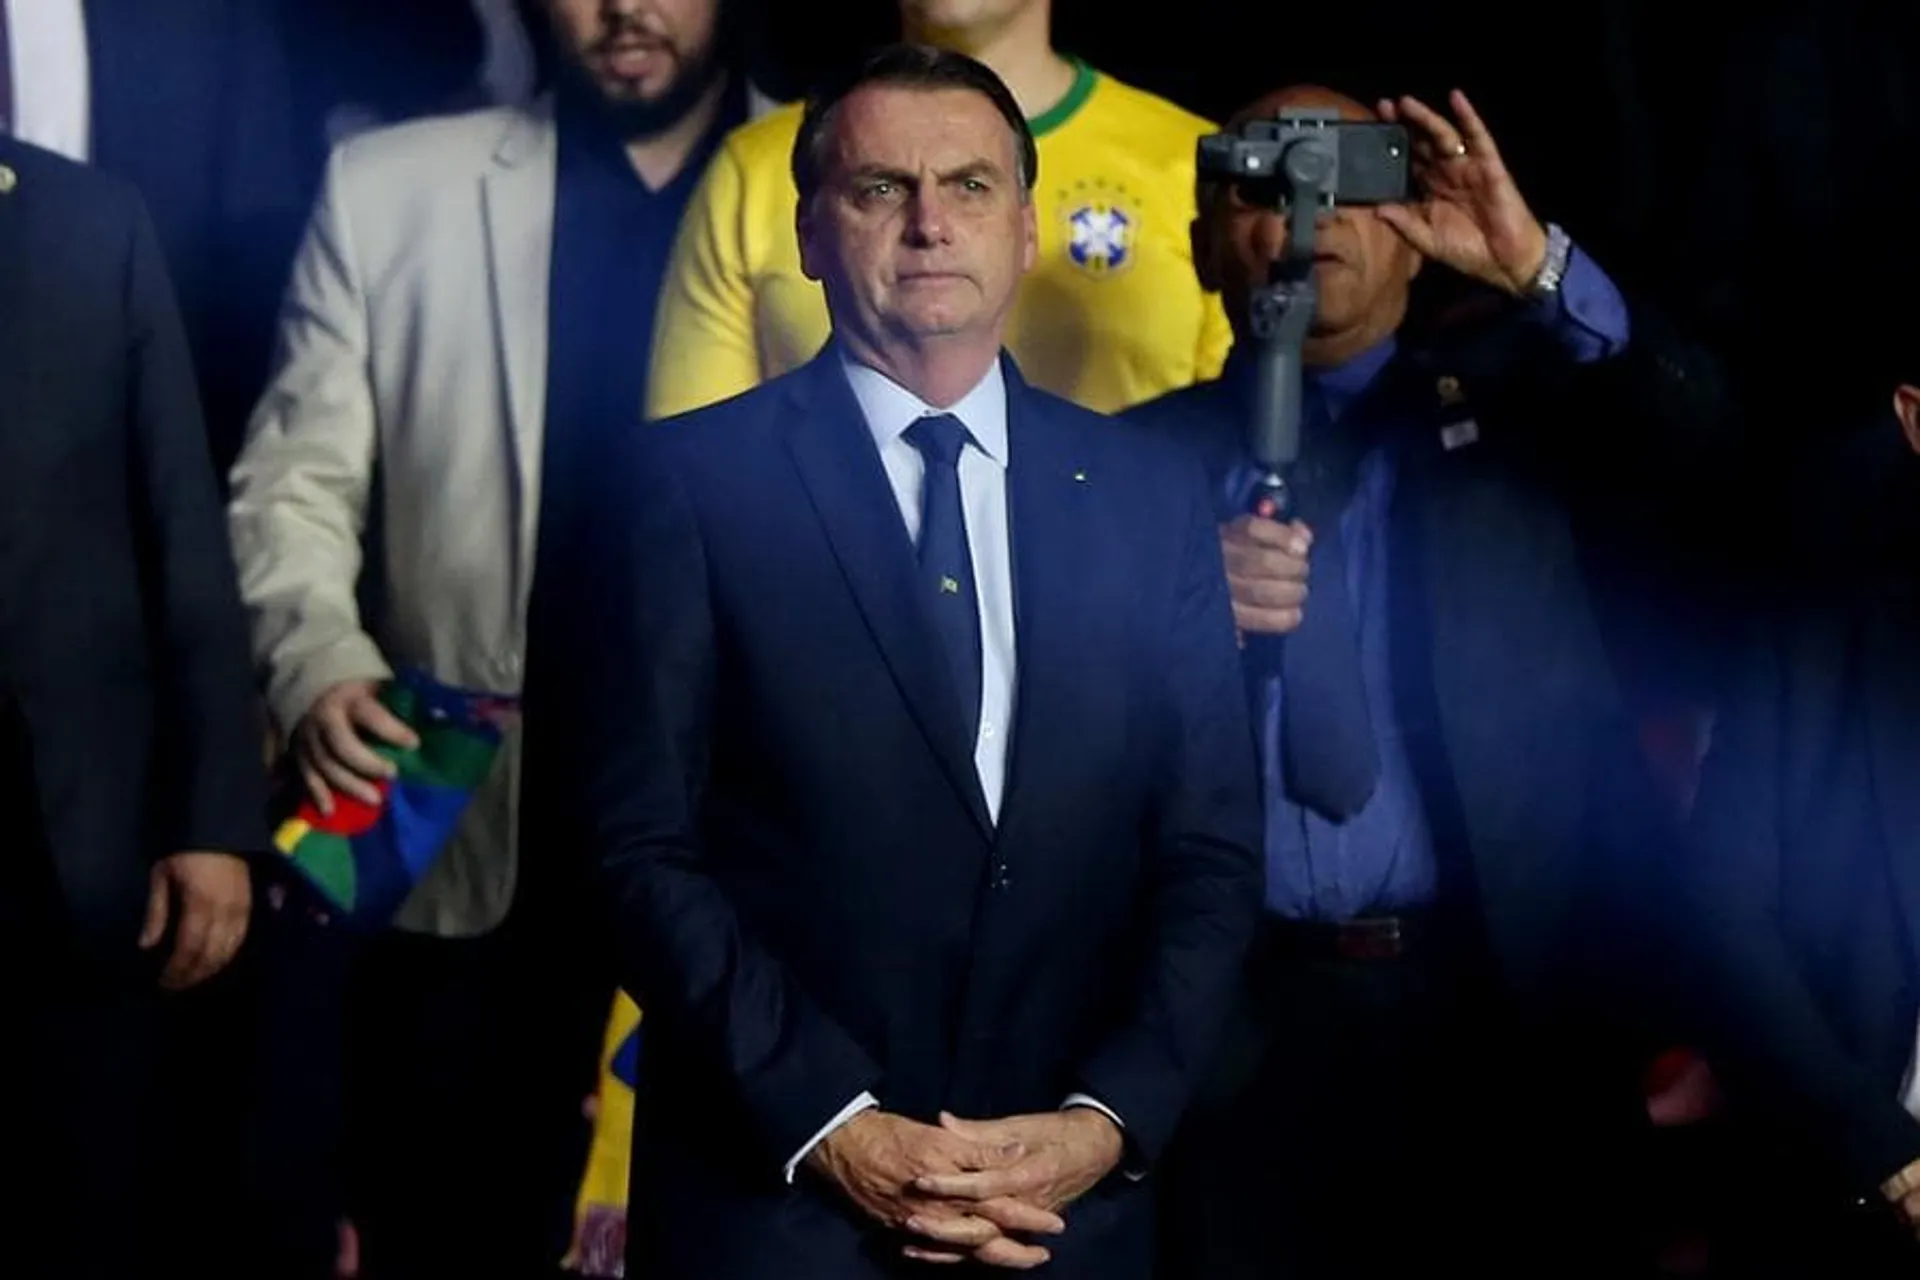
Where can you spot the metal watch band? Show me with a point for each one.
(1546, 282)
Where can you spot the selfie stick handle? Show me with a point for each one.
(1281, 315)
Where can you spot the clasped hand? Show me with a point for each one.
(971, 1189)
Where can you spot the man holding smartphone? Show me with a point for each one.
(1449, 780)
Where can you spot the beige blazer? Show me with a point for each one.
(385, 502)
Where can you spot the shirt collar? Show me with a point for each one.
(890, 408)
(1344, 383)
(1338, 385)
(590, 142)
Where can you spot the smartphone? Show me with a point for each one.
(1371, 159)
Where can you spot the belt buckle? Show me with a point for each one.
(1378, 939)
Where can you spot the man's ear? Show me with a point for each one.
(803, 232)
(1906, 407)
(1200, 241)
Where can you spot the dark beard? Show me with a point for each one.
(637, 121)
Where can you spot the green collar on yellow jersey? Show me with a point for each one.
(1084, 79)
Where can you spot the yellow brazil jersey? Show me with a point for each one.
(1111, 315)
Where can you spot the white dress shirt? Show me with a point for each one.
(52, 79)
(890, 409)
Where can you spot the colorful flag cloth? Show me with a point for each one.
(364, 859)
(600, 1214)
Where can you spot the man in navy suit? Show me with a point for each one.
(1801, 896)
(1459, 829)
(917, 762)
(131, 780)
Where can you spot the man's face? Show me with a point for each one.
(1362, 268)
(648, 60)
(920, 227)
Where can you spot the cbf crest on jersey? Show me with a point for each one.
(1103, 227)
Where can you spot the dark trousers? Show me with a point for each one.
(76, 1107)
(1779, 1212)
(1387, 1116)
(429, 1089)
(77, 1096)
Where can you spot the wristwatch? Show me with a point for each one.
(1546, 281)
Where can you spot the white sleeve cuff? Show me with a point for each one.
(1085, 1100)
(865, 1102)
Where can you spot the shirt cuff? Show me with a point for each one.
(1083, 1100)
(1092, 1103)
(1586, 315)
(865, 1102)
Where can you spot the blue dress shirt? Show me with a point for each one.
(1381, 860)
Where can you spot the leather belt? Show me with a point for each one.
(1370, 938)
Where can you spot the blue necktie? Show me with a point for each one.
(946, 562)
(1328, 753)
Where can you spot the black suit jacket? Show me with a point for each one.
(809, 897)
(1803, 892)
(1544, 810)
(124, 674)
(192, 103)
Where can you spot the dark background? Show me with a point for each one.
(1751, 169)
(1571, 93)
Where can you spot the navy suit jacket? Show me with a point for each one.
(1802, 893)
(127, 724)
(1544, 812)
(808, 895)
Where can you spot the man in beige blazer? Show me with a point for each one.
(462, 322)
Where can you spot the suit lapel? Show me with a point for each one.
(1453, 639)
(1486, 562)
(107, 69)
(1452, 647)
(1054, 563)
(1893, 710)
(19, 398)
(518, 198)
(854, 501)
